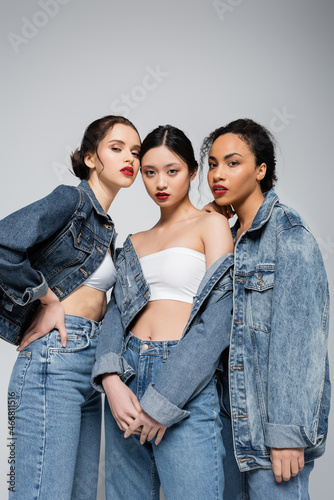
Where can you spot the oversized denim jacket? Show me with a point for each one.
(56, 242)
(276, 378)
(279, 388)
(193, 361)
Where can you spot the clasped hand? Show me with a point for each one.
(127, 412)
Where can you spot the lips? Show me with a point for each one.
(162, 196)
(127, 171)
(219, 189)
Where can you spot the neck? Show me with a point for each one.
(103, 195)
(247, 210)
(182, 211)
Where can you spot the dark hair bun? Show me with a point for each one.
(79, 168)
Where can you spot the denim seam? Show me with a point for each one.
(213, 425)
(44, 373)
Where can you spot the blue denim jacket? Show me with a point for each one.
(56, 242)
(278, 384)
(193, 361)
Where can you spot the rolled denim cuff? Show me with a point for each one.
(35, 293)
(160, 408)
(110, 363)
(284, 436)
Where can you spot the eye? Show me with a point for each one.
(135, 154)
(115, 148)
(172, 171)
(233, 163)
(149, 173)
(212, 164)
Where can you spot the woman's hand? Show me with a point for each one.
(149, 428)
(226, 210)
(50, 314)
(123, 402)
(287, 462)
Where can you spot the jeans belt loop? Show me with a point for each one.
(126, 341)
(165, 351)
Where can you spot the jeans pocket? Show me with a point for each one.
(17, 379)
(76, 342)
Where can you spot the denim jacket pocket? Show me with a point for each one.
(259, 290)
(70, 248)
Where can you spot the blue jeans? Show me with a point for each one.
(258, 484)
(56, 416)
(187, 462)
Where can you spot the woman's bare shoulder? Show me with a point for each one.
(214, 221)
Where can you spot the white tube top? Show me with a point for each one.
(174, 273)
(105, 275)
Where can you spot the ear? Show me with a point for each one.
(89, 160)
(193, 175)
(261, 171)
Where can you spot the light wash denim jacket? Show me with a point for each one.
(279, 388)
(193, 361)
(56, 242)
(276, 377)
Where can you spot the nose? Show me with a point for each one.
(219, 173)
(128, 156)
(161, 182)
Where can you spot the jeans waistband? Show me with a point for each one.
(156, 347)
(81, 323)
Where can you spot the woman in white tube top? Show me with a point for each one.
(174, 256)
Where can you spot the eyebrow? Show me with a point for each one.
(165, 166)
(226, 157)
(137, 146)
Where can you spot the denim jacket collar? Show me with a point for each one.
(86, 187)
(263, 214)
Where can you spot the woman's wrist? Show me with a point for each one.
(49, 298)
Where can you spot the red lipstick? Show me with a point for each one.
(219, 189)
(162, 196)
(127, 171)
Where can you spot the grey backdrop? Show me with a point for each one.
(195, 64)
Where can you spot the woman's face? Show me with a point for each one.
(166, 176)
(116, 162)
(233, 176)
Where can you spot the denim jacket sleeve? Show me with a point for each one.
(109, 349)
(194, 360)
(298, 341)
(21, 231)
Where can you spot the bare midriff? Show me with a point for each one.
(162, 320)
(86, 302)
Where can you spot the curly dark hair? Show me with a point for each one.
(260, 141)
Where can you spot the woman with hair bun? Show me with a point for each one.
(275, 384)
(172, 280)
(56, 265)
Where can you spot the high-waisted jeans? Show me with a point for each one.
(55, 416)
(188, 461)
